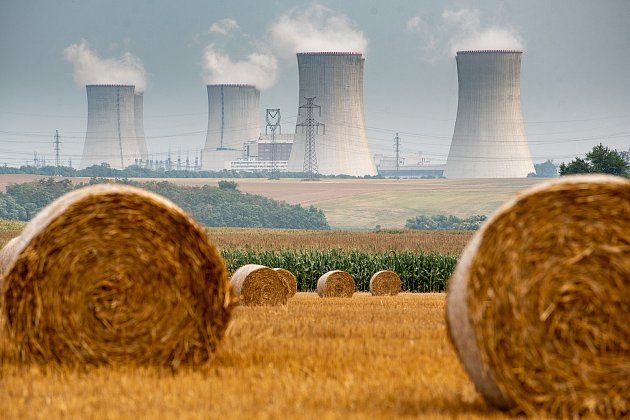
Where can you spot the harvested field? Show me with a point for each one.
(364, 203)
(440, 242)
(364, 357)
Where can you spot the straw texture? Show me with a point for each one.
(385, 283)
(289, 280)
(113, 274)
(335, 283)
(538, 306)
(259, 285)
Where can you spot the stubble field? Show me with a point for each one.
(364, 357)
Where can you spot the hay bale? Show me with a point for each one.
(259, 285)
(385, 283)
(539, 303)
(335, 283)
(113, 274)
(289, 280)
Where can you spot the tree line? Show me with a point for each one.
(211, 206)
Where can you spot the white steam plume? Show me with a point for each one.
(259, 69)
(90, 69)
(472, 36)
(316, 29)
(224, 27)
(462, 30)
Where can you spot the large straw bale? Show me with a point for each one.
(259, 285)
(289, 280)
(113, 274)
(385, 283)
(335, 283)
(538, 306)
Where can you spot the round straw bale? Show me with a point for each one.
(539, 303)
(385, 283)
(289, 280)
(113, 274)
(335, 283)
(259, 285)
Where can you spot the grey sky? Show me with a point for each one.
(575, 72)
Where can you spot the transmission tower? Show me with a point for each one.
(273, 123)
(57, 152)
(397, 148)
(312, 128)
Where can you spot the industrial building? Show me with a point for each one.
(258, 155)
(335, 80)
(489, 139)
(114, 114)
(233, 120)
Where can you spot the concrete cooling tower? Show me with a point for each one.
(335, 79)
(233, 120)
(111, 127)
(138, 111)
(489, 139)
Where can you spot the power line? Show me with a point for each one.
(57, 152)
(312, 127)
(273, 123)
(397, 149)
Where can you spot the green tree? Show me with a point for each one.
(544, 170)
(600, 160)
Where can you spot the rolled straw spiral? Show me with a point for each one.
(114, 274)
(385, 283)
(539, 305)
(259, 285)
(335, 283)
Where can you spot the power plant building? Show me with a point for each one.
(335, 80)
(111, 127)
(489, 139)
(233, 120)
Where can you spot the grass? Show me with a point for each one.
(363, 357)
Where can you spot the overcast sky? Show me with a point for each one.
(575, 81)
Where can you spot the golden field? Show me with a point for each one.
(441, 242)
(364, 357)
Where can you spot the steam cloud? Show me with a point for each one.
(224, 27)
(316, 29)
(89, 68)
(259, 69)
(461, 30)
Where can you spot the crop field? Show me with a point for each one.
(362, 204)
(363, 357)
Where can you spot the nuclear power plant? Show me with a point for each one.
(489, 139)
(335, 80)
(233, 120)
(114, 114)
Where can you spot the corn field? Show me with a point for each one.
(418, 272)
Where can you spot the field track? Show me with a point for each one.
(363, 357)
(364, 203)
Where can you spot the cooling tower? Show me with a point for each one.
(138, 112)
(335, 79)
(489, 139)
(111, 131)
(233, 119)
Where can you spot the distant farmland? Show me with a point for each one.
(363, 204)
